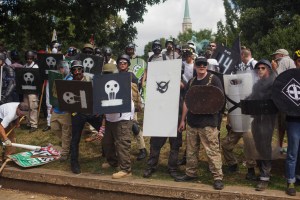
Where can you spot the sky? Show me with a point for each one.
(165, 19)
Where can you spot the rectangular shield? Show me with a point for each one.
(227, 59)
(48, 61)
(112, 93)
(75, 96)
(162, 102)
(28, 80)
(91, 63)
(52, 76)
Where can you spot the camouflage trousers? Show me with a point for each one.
(208, 137)
(228, 144)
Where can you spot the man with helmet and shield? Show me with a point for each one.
(156, 143)
(202, 122)
(264, 117)
(170, 51)
(137, 67)
(107, 53)
(31, 99)
(79, 119)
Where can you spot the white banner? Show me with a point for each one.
(162, 101)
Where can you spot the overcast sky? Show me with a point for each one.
(165, 19)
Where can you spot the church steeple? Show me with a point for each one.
(187, 23)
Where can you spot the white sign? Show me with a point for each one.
(162, 101)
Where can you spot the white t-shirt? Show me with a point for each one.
(116, 117)
(32, 65)
(188, 71)
(8, 113)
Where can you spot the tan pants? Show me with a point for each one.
(33, 103)
(209, 138)
(61, 124)
(228, 144)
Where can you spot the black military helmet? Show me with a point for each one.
(107, 51)
(14, 54)
(29, 54)
(265, 62)
(97, 51)
(2, 56)
(76, 63)
(72, 51)
(169, 41)
(156, 45)
(124, 57)
(130, 46)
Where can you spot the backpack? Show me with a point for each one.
(136, 97)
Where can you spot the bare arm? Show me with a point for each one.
(3, 133)
(183, 117)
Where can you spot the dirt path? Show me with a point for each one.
(6, 194)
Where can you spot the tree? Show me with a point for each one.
(28, 24)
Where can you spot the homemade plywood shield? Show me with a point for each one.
(27, 80)
(52, 76)
(286, 92)
(227, 59)
(91, 63)
(112, 93)
(204, 99)
(48, 61)
(75, 96)
(162, 102)
(237, 88)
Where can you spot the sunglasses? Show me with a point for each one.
(212, 45)
(261, 68)
(200, 64)
(122, 62)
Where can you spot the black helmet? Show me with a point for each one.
(2, 56)
(14, 54)
(107, 51)
(29, 54)
(72, 51)
(125, 57)
(296, 54)
(265, 62)
(130, 46)
(156, 45)
(169, 41)
(76, 63)
(97, 51)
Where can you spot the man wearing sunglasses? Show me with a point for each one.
(202, 127)
(262, 126)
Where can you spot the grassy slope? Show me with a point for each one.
(91, 160)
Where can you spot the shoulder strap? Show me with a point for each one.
(251, 65)
(151, 57)
(192, 81)
(209, 79)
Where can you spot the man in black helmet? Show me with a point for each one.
(79, 119)
(156, 143)
(32, 99)
(170, 53)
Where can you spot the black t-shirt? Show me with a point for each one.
(203, 120)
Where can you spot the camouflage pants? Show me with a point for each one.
(117, 143)
(208, 136)
(228, 144)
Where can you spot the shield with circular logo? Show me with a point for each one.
(204, 99)
(286, 92)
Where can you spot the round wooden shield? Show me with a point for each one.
(286, 92)
(204, 99)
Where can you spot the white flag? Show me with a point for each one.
(162, 101)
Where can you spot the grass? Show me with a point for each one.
(91, 160)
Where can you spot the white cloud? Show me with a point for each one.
(165, 19)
